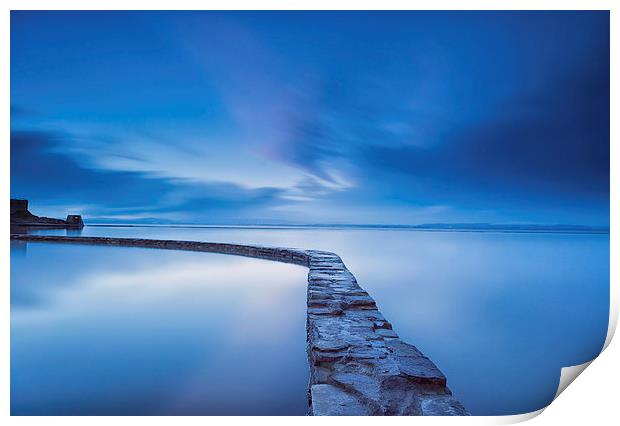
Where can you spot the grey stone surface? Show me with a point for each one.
(333, 401)
(358, 364)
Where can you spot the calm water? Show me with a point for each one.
(100, 330)
(499, 313)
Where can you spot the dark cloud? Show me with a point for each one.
(500, 112)
(20, 112)
(552, 142)
(39, 172)
(531, 123)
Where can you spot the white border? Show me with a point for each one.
(591, 400)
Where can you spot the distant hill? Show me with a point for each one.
(462, 227)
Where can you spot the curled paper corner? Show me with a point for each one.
(613, 321)
(517, 418)
(568, 375)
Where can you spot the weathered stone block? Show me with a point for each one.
(328, 400)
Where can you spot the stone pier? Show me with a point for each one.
(358, 364)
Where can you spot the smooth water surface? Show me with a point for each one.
(499, 313)
(128, 331)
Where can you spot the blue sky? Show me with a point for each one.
(312, 117)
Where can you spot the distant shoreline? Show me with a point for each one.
(510, 229)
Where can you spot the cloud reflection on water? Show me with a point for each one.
(166, 332)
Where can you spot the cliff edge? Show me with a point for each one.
(21, 216)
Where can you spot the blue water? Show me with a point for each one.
(126, 331)
(499, 313)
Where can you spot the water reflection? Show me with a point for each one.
(101, 330)
(500, 314)
(19, 248)
(45, 230)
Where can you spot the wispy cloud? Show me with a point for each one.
(377, 116)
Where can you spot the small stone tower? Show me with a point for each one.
(75, 221)
(19, 207)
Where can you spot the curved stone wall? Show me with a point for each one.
(358, 364)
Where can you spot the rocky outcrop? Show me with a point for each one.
(358, 364)
(74, 221)
(19, 207)
(21, 217)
